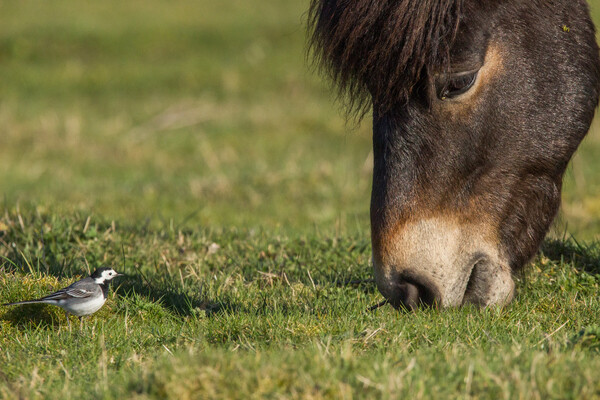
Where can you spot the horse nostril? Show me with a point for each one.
(409, 295)
(412, 295)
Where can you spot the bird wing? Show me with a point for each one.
(69, 292)
(83, 288)
(58, 295)
(79, 292)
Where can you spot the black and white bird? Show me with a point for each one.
(83, 297)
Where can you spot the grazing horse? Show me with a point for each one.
(478, 106)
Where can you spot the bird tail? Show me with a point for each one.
(23, 302)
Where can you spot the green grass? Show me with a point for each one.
(188, 145)
(193, 109)
(271, 315)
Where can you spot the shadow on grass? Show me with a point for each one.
(57, 251)
(38, 315)
(31, 249)
(162, 290)
(583, 257)
(165, 293)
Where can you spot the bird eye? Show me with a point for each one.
(453, 85)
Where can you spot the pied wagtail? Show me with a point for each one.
(83, 297)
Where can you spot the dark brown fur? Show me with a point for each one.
(496, 157)
(380, 49)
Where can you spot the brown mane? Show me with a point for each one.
(378, 50)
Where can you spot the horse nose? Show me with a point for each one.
(412, 295)
(442, 263)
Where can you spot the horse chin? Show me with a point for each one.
(442, 264)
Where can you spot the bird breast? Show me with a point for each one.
(87, 307)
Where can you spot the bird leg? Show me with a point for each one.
(68, 320)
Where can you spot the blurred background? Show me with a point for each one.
(198, 113)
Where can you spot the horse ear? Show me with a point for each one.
(378, 50)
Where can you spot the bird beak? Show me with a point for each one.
(118, 274)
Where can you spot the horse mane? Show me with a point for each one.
(376, 51)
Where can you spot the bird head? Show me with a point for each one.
(104, 274)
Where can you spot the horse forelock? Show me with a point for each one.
(378, 50)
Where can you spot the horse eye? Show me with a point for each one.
(456, 84)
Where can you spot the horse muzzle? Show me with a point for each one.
(441, 263)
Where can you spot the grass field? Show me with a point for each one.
(188, 145)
